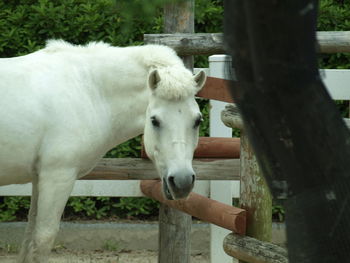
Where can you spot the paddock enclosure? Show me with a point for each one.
(218, 160)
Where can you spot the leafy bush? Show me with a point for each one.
(278, 213)
(13, 207)
(25, 25)
(111, 207)
(16, 208)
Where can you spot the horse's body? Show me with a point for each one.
(63, 107)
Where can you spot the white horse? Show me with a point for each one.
(63, 107)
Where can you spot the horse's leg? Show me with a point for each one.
(54, 187)
(31, 221)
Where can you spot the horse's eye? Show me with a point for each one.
(197, 122)
(155, 122)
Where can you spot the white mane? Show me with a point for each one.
(59, 45)
(176, 81)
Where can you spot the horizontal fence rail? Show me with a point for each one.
(143, 169)
(212, 43)
(226, 216)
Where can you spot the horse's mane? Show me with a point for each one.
(176, 82)
(57, 45)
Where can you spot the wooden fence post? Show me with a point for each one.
(255, 195)
(175, 226)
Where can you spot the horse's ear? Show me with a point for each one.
(153, 79)
(200, 79)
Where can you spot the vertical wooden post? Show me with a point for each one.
(255, 195)
(174, 235)
(179, 18)
(175, 226)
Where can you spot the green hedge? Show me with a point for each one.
(16, 208)
(25, 25)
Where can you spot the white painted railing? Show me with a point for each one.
(222, 191)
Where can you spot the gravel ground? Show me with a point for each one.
(66, 256)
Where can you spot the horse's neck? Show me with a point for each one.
(125, 93)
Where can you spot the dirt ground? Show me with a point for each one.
(66, 256)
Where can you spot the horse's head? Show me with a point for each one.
(171, 129)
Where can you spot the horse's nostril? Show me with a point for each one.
(172, 181)
(181, 182)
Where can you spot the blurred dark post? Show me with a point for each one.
(300, 140)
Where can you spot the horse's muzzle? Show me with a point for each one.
(178, 185)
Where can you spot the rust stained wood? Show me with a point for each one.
(212, 43)
(223, 215)
(216, 89)
(254, 251)
(216, 147)
(213, 147)
(143, 169)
